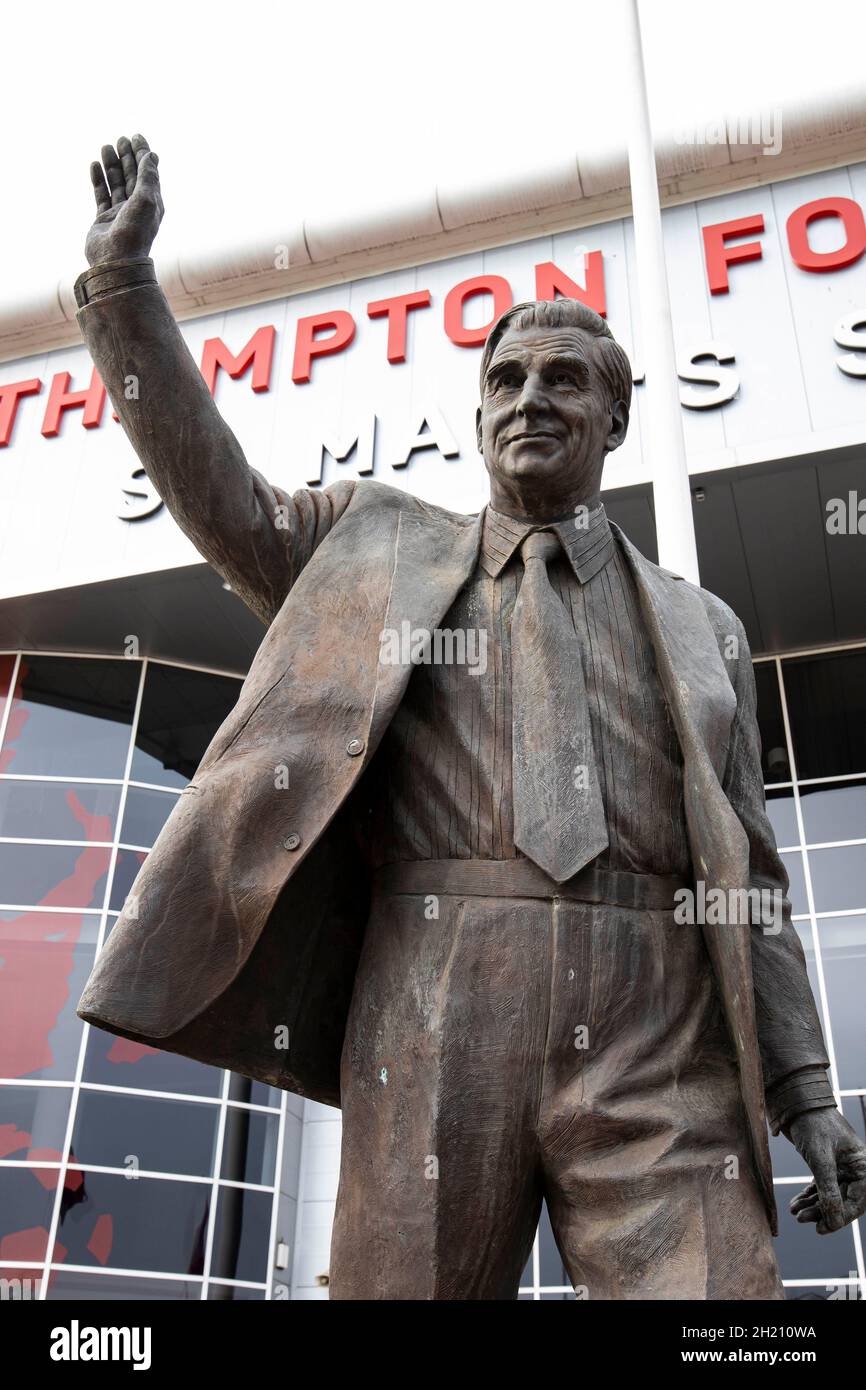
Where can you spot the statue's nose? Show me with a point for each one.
(532, 398)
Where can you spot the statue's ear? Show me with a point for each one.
(618, 426)
(478, 434)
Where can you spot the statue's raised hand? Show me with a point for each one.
(129, 204)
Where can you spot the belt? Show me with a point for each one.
(521, 878)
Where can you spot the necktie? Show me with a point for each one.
(559, 819)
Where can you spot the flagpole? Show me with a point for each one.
(663, 440)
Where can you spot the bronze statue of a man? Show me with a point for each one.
(458, 903)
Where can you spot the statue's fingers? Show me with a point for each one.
(114, 174)
(803, 1199)
(828, 1191)
(147, 182)
(140, 147)
(128, 165)
(810, 1215)
(100, 188)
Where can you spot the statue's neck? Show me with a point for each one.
(542, 508)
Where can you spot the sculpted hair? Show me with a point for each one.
(612, 363)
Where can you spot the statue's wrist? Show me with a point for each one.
(109, 277)
(812, 1109)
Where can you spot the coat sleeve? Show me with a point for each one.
(255, 535)
(793, 1052)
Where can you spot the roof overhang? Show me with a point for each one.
(589, 187)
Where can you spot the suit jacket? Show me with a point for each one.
(245, 924)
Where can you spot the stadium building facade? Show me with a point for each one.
(353, 351)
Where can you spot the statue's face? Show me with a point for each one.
(545, 420)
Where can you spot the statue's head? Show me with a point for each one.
(555, 395)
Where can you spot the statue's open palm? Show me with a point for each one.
(129, 205)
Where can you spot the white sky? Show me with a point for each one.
(263, 111)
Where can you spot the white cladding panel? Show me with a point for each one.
(60, 498)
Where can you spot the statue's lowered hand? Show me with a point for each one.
(837, 1158)
(129, 204)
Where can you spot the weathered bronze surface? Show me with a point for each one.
(511, 1011)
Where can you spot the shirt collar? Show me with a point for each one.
(586, 539)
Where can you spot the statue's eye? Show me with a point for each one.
(562, 379)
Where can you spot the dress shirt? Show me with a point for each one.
(440, 785)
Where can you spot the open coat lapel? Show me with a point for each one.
(702, 704)
(317, 695)
(433, 557)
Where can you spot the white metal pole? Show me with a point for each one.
(663, 438)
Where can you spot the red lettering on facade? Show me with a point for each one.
(60, 399)
(467, 289)
(718, 255)
(550, 281)
(258, 353)
(851, 217)
(396, 310)
(340, 327)
(10, 395)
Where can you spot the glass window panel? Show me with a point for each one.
(240, 1087)
(826, 698)
(78, 1286)
(231, 1293)
(26, 1206)
(249, 1146)
(58, 810)
(802, 1254)
(113, 1061)
(145, 1223)
(783, 817)
(838, 878)
(835, 812)
(241, 1234)
(797, 892)
(71, 717)
(854, 1110)
(53, 875)
(260, 1094)
(45, 959)
(144, 815)
(137, 1133)
(843, 952)
(129, 861)
(774, 756)
(180, 713)
(7, 666)
(33, 1122)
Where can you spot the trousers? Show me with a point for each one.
(504, 1051)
